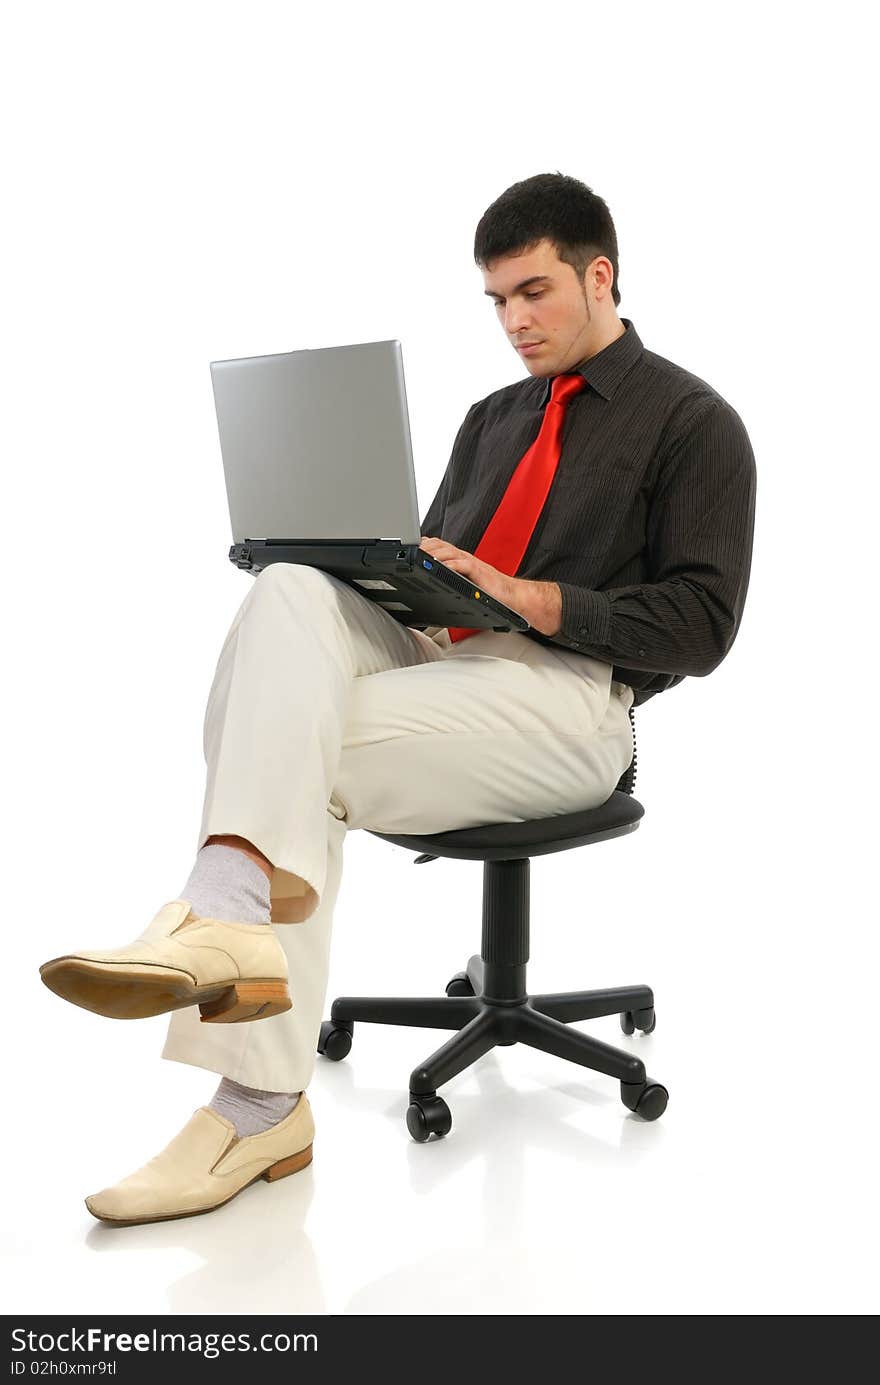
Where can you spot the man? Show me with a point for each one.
(609, 497)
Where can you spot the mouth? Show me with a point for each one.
(529, 346)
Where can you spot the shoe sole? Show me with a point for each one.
(282, 1169)
(129, 993)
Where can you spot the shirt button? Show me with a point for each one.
(641, 653)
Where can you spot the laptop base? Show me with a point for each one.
(400, 577)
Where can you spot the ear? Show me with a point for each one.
(600, 275)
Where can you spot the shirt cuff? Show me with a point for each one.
(586, 615)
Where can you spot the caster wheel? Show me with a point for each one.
(645, 1020)
(334, 1041)
(427, 1116)
(460, 984)
(646, 1099)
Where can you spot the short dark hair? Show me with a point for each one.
(554, 207)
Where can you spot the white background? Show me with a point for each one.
(192, 181)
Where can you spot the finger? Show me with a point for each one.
(462, 565)
(444, 551)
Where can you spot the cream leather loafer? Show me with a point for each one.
(232, 971)
(206, 1165)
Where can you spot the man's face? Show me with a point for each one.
(540, 299)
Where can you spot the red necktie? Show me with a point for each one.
(508, 532)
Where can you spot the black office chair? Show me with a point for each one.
(488, 1003)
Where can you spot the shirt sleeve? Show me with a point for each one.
(699, 533)
(432, 524)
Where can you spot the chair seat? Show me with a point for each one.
(509, 841)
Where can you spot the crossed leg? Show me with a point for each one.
(326, 714)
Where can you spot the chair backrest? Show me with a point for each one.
(627, 781)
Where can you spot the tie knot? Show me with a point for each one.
(564, 386)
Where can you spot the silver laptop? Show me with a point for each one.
(318, 464)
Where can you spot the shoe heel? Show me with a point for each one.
(247, 1000)
(292, 1164)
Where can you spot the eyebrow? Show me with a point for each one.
(524, 283)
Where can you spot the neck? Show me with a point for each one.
(612, 332)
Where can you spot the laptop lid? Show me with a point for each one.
(316, 444)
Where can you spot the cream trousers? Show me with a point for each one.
(327, 714)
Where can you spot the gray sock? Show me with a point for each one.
(250, 1108)
(226, 884)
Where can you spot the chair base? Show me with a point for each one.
(489, 1007)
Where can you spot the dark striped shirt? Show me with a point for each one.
(649, 522)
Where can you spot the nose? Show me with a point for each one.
(516, 318)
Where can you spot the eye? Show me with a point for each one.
(538, 293)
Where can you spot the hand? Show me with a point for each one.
(485, 578)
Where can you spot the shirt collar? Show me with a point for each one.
(606, 369)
